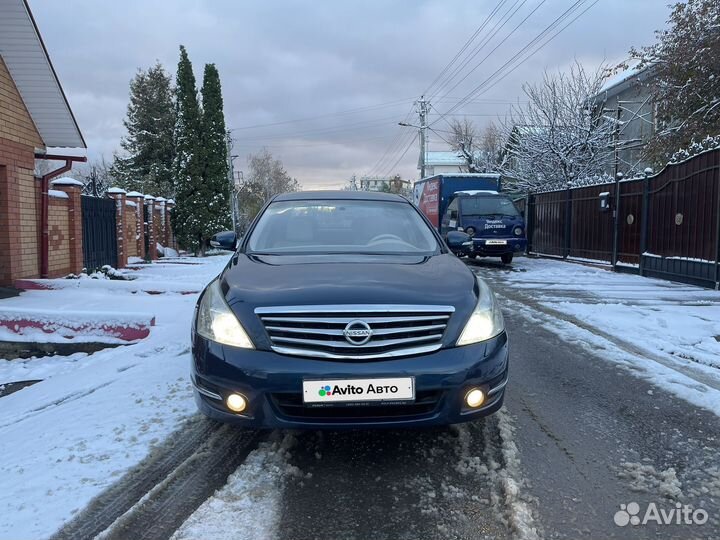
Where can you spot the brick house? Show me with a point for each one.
(36, 122)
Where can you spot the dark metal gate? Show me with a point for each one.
(99, 232)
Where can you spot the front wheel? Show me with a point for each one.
(506, 258)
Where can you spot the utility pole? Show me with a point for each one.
(231, 181)
(422, 107)
(422, 111)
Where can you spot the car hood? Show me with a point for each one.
(261, 281)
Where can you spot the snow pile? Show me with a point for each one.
(165, 251)
(515, 504)
(248, 506)
(645, 478)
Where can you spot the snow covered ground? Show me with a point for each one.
(675, 326)
(67, 438)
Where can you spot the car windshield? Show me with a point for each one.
(342, 226)
(488, 206)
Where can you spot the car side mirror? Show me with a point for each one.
(459, 242)
(224, 240)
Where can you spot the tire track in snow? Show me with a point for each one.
(457, 482)
(154, 498)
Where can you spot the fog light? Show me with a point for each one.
(236, 402)
(474, 398)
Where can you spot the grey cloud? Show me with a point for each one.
(290, 59)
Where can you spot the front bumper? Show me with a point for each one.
(272, 384)
(513, 244)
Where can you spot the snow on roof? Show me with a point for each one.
(58, 194)
(160, 199)
(135, 194)
(470, 175)
(436, 157)
(477, 192)
(149, 198)
(171, 201)
(618, 82)
(66, 181)
(24, 53)
(116, 190)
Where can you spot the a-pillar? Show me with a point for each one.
(73, 188)
(119, 195)
(139, 200)
(152, 241)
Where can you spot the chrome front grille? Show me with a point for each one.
(355, 332)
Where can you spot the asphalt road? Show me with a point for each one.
(580, 436)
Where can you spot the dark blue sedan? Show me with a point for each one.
(346, 309)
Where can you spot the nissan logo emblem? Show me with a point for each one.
(357, 332)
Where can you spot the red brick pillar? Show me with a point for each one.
(170, 205)
(119, 195)
(73, 188)
(152, 241)
(160, 205)
(139, 200)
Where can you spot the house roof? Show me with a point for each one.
(623, 80)
(27, 60)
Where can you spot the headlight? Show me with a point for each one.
(518, 231)
(216, 322)
(486, 320)
(470, 231)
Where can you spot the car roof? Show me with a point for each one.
(339, 195)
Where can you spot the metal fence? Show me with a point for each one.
(665, 226)
(99, 232)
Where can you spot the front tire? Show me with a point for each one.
(506, 258)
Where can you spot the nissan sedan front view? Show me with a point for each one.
(346, 309)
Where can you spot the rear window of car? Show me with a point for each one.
(342, 226)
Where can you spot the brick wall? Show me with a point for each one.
(19, 203)
(131, 229)
(59, 263)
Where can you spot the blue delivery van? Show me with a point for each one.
(473, 203)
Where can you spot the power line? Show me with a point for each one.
(326, 115)
(481, 62)
(505, 18)
(465, 46)
(557, 22)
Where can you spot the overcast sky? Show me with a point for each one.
(313, 61)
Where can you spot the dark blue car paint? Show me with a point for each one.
(251, 281)
(257, 374)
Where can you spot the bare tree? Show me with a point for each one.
(559, 136)
(266, 178)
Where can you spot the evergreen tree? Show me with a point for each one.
(216, 196)
(190, 213)
(146, 165)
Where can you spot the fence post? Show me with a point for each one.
(152, 241)
(616, 223)
(118, 195)
(645, 214)
(139, 200)
(717, 233)
(528, 223)
(568, 224)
